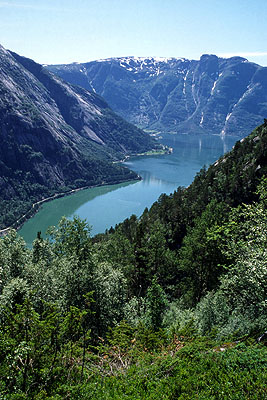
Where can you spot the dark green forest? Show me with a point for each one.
(171, 305)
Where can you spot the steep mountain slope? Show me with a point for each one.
(212, 95)
(55, 136)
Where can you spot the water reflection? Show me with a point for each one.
(225, 144)
(106, 206)
(200, 145)
(51, 213)
(149, 179)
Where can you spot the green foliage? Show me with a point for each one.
(14, 292)
(134, 311)
(110, 293)
(13, 259)
(177, 319)
(13, 256)
(71, 238)
(190, 369)
(121, 315)
(200, 257)
(156, 304)
(38, 349)
(239, 305)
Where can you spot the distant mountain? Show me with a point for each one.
(213, 95)
(55, 137)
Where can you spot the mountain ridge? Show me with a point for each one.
(213, 95)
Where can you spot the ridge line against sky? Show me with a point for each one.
(65, 31)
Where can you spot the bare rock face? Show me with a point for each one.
(55, 136)
(212, 95)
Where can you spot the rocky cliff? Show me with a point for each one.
(213, 95)
(55, 136)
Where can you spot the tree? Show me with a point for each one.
(156, 304)
(72, 268)
(239, 304)
(13, 257)
(72, 238)
(200, 257)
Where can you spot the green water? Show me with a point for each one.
(105, 206)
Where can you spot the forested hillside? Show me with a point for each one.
(169, 305)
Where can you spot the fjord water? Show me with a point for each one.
(106, 206)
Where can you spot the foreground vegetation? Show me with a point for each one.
(171, 305)
(49, 357)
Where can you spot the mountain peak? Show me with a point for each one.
(213, 95)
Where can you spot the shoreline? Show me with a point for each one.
(36, 206)
(154, 152)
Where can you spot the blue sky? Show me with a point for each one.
(65, 31)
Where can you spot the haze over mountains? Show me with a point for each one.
(213, 95)
(55, 136)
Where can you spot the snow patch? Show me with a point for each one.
(215, 83)
(228, 116)
(186, 75)
(202, 118)
(214, 86)
(91, 83)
